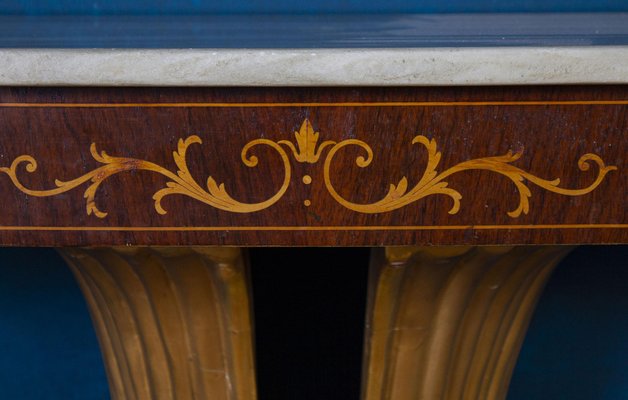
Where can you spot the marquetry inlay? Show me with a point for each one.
(307, 150)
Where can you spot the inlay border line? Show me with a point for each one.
(316, 104)
(310, 228)
(322, 104)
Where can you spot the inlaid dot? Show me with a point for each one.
(307, 203)
(307, 179)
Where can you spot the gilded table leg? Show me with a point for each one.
(173, 323)
(448, 322)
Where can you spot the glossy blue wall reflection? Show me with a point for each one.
(48, 349)
(143, 7)
(576, 347)
(577, 344)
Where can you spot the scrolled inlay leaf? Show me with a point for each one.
(181, 182)
(432, 182)
(307, 150)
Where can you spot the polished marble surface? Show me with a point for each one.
(320, 67)
(284, 31)
(314, 50)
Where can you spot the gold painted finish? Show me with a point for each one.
(173, 323)
(448, 322)
(215, 195)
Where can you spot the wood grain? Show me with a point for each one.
(552, 127)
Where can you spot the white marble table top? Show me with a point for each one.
(408, 50)
(315, 67)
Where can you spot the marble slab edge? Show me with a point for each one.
(315, 67)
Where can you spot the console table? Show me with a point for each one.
(471, 152)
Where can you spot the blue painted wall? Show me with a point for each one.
(577, 344)
(576, 348)
(101, 7)
(48, 349)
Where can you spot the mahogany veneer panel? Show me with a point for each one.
(551, 128)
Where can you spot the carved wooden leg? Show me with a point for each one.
(173, 323)
(448, 322)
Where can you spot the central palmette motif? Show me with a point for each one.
(306, 150)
